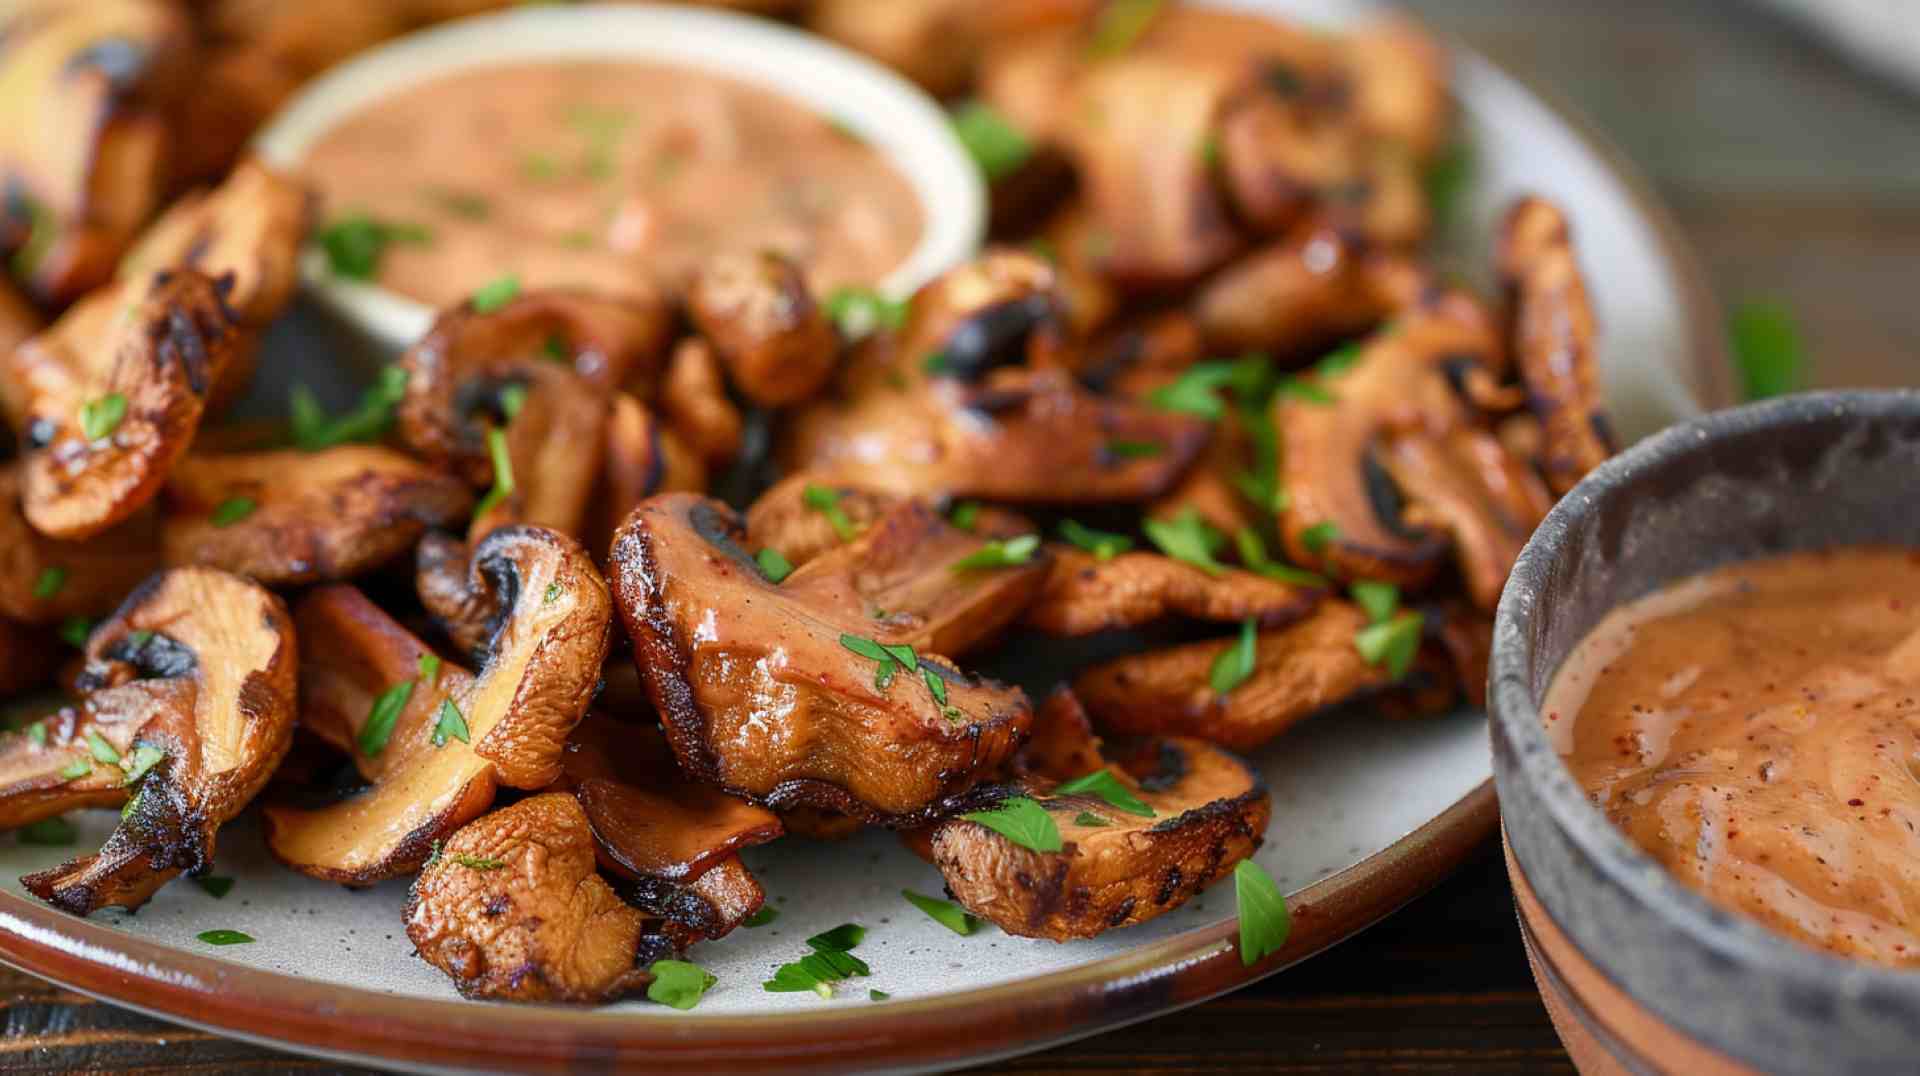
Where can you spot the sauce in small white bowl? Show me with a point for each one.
(579, 145)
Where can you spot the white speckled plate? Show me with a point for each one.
(1368, 812)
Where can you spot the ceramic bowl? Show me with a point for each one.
(1643, 973)
(884, 109)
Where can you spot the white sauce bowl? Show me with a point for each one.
(895, 117)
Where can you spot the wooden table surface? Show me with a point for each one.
(1793, 175)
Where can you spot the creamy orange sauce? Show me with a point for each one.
(1757, 730)
(598, 174)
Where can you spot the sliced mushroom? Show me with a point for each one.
(1399, 75)
(468, 614)
(144, 372)
(28, 657)
(43, 580)
(932, 42)
(1468, 488)
(540, 669)
(1465, 637)
(775, 341)
(1084, 595)
(1299, 670)
(693, 399)
(1345, 512)
(555, 444)
(1301, 295)
(671, 844)
(1114, 868)
(759, 694)
(1554, 340)
(187, 707)
(643, 457)
(85, 89)
(1002, 308)
(786, 518)
(1135, 358)
(1281, 149)
(512, 909)
(286, 518)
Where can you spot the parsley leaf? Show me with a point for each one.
(74, 631)
(354, 244)
(767, 914)
(1187, 538)
(1000, 554)
(512, 399)
(858, 312)
(935, 685)
(964, 515)
(794, 979)
(100, 417)
(1393, 641)
(1022, 821)
(502, 471)
(1253, 555)
(49, 582)
(865, 647)
(495, 294)
(878, 995)
(429, 669)
(451, 724)
(76, 769)
(1378, 599)
(142, 758)
(378, 728)
(1317, 537)
(101, 750)
(1264, 922)
(678, 983)
(1197, 390)
(997, 147)
(55, 832)
(1134, 450)
(1306, 391)
(478, 863)
(1104, 784)
(1088, 818)
(216, 886)
(224, 937)
(772, 565)
(944, 912)
(233, 510)
(1235, 664)
(827, 502)
(1446, 181)
(1120, 24)
(369, 419)
(840, 939)
(1768, 350)
(1104, 545)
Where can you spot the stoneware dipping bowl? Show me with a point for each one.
(1642, 974)
(883, 109)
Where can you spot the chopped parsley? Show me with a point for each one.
(840, 939)
(216, 886)
(997, 147)
(678, 983)
(37, 732)
(76, 769)
(512, 399)
(100, 417)
(142, 758)
(878, 995)
(1447, 180)
(378, 728)
(1253, 556)
(1104, 545)
(495, 294)
(1264, 922)
(233, 510)
(865, 647)
(355, 243)
(1768, 350)
(74, 631)
(55, 832)
(937, 364)
(935, 686)
(1197, 390)
(772, 565)
(1317, 537)
(1134, 450)
(100, 749)
(964, 515)
(827, 502)
(1339, 360)
(1392, 642)
(430, 669)
(369, 419)
(49, 582)
(1088, 818)
(944, 912)
(831, 961)
(477, 863)
(1188, 538)
(1009, 553)
(1305, 390)
(554, 590)
(1022, 821)
(502, 471)
(1120, 24)
(224, 937)
(1378, 599)
(767, 914)
(859, 312)
(451, 725)
(1104, 784)
(1234, 665)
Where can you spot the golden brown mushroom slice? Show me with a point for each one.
(780, 702)
(1398, 74)
(671, 845)
(287, 518)
(796, 517)
(1469, 488)
(44, 580)
(1301, 295)
(644, 456)
(187, 707)
(1085, 594)
(512, 909)
(1345, 512)
(1115, 868)
(693, 399)
(85, 91)
(773, 338)
(1554, 340)
(1298, 671)
(113, 396)
(539, 673)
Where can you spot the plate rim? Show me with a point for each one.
(972, 1027)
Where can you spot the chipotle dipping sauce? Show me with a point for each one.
(595, 174)
(1757, 730)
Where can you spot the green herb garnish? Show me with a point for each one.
(840, 939)
(866, 648)
(935, 685)
(233, 510)
(512, 399)
(452, 724)
(1088, 818)
(767, 914)
(878, 995)
(772, 565)
(1197, 390)
(142, 758)
(100, 417)
(1317, 537)
(1768, 350)
(1393, 642)
(1264, 922)
(1119, 25)
(76, 769)
(964, 515)
(369, 419)
(1305, 390)
(49, 582)
(1187, 538)
(1253, 555)
(216, 886)
(995, 144)
(378, 728)
(1104, 545)
(1104, 784)
(502, 472)
(495, 294)
(37, 732)
(858, 312)
(1134, 450)
(354, 244)
(429, 669)
(944, 912)
(1022, 821)
(1447, 180)
(478, 863)
(1235, 664)
(224, 937)
(1378, 599)
(74, 631)
(55, 832)
(1008, 553)
(678, 983)
(100, 749)
(827, 502)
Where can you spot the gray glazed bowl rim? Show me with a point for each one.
(1515, 719)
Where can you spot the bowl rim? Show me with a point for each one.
(881, 107)
(1515, 718)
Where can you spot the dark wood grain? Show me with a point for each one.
(1793, 177)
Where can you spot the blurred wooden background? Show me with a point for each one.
(1797, 179)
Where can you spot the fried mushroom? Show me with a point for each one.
(1114, 868)
(187, 707)
(114, 395)
(760, 694)
(1084, 594)
(693, 400)
(43, 580)
(1303, 294)
(512, 909)
(758, 313)
(540, 668)
(1554, 340)
(287, 518)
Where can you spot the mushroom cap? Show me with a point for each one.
(1084, 595)
(199, 665)
(764, 324)
(513, 909)
(759, 695)
(1210, 812)
(160, 356)
(93, 574)
(314, 517)
(541, 664)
